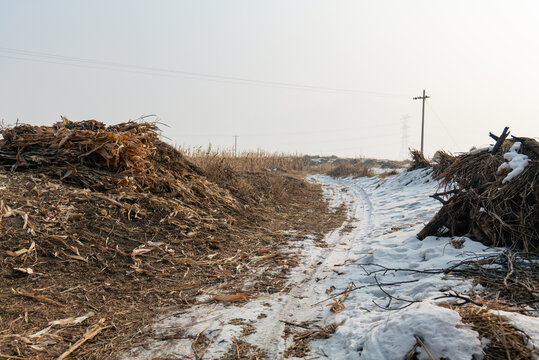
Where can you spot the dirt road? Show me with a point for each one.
(269, 315)
(364, 255)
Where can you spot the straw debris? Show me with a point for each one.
(111, 220)
(504, 340)
(418, 160)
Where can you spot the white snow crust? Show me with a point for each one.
(392, 338)
(516, 162)
(486, 148)
(401, 203)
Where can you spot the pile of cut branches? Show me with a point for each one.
(508, 277)
(491, 198)
(418, 160)
(440, 162)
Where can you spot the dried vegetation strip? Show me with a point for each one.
(345, 169)
(301, 345)
(505, 341)
(101, 228)
(508, 282)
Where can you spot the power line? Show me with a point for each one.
(94, 67)
(377, 125)
(340, 140)
(442, 123)
(160, 74)
(116, 66)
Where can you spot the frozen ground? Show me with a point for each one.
(386, 308)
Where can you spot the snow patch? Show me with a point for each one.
(487, 148)
(516, 162)
(434, 325)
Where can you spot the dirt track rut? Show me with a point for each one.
(268, 316)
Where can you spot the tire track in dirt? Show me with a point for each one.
(307, 290)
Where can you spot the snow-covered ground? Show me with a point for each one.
(386, 309)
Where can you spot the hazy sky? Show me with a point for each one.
(323, 77)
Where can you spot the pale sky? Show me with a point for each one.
(319, 77)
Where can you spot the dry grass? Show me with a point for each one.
(505, 340)
(301, 345)
(418, 160)
(440, 162)
(215, 159)
(345, 169)
(387, 174)
(244, 350)
(218, 163)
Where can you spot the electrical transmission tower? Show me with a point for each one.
(424, 97)
(404, 139)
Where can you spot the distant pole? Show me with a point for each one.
(236, 145)
(424, 97)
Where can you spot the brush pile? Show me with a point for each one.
(491, 195)
(418, 160)
(440, 162)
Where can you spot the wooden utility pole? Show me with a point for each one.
(236, 145)
(424, 97)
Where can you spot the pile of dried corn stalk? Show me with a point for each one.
(102, 227)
